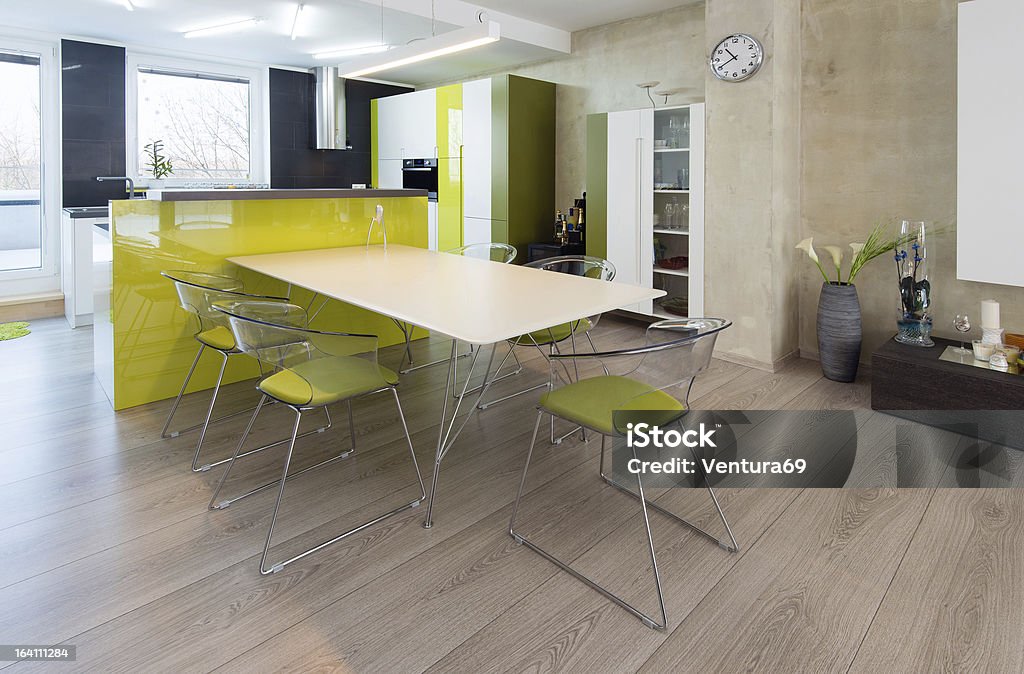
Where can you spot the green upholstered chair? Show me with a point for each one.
(311, 369)
(495, 252)
(552, 338)
(654, 378)
(197, 293)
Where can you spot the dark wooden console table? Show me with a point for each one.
(913, 383)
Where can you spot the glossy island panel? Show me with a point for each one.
(145, 345)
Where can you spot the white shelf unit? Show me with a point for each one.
(654, 160)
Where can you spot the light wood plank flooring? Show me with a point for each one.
(106, 542)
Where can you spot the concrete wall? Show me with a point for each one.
(601, 75)
(879, 141)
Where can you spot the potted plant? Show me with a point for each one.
(159, 166)
(839, 317)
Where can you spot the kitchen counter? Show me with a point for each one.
(78, 212)
(142, 340)
(249, 194)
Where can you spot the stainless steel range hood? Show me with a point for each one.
(331, 129)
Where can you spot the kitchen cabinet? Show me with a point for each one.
(645, 202)
(76, 263)
(498, 183)
(406, 126)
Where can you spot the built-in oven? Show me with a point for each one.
(420, 174)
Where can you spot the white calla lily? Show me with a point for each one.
(807, 245)
(837, 259)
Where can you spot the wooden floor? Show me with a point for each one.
(106, 543)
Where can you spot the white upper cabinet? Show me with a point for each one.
(476, 158)
(407, 125)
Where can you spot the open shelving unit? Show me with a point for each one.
(677, 159)
(645, 190)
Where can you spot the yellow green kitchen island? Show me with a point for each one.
(143, 343)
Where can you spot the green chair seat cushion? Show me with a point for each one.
(554, 334)
(218, 337)
(592, 402)
(326, 380)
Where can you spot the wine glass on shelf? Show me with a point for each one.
(963, 325)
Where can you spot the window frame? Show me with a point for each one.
(259, 111)
(45, 279)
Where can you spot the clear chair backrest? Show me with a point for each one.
(578, 265)
(496, 252)
(276, 333)
(674, 353)
(198, 292)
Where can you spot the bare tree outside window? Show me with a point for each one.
(202, 121)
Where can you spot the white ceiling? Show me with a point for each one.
(326, 25)
(575, 15)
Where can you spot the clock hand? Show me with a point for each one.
(730, 54)
(729, 61)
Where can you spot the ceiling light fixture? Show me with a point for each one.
(129, 5)
(295, 21)
(343, 54)
(423, 50)
(223, 27)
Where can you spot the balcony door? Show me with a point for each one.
(28, 212)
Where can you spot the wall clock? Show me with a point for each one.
(736, 58)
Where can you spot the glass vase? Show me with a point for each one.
(914, 320)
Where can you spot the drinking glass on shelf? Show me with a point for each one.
(668, 221)
(962, 323)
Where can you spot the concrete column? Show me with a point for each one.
(752, 189)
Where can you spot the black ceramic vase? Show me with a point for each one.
(839, 331)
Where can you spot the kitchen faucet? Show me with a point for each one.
(131, 183)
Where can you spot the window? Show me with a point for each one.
(205, 118)
(29, 168)
(21, 219)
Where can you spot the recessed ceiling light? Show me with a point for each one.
(129, 5)
(342, 54)
(295, 21)
(223, 27)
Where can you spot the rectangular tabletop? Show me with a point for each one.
(473, 300)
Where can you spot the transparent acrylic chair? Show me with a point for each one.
(579, 265)
(312, 369)
(657, 378)
(495, 252)
(197, 293)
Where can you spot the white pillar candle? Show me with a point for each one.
(990, 314)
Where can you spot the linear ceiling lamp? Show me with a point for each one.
(128, 4)
(223, 27)
(341, 54)
(423, 50)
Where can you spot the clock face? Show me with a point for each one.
(736, 58)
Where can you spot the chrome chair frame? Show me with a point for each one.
(204, 426)
(280, 482)
(731, 545)
(607, 275)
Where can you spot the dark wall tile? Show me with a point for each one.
(293, 161)
(92, 123)
(92, 116)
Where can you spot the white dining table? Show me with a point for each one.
(468, 299)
